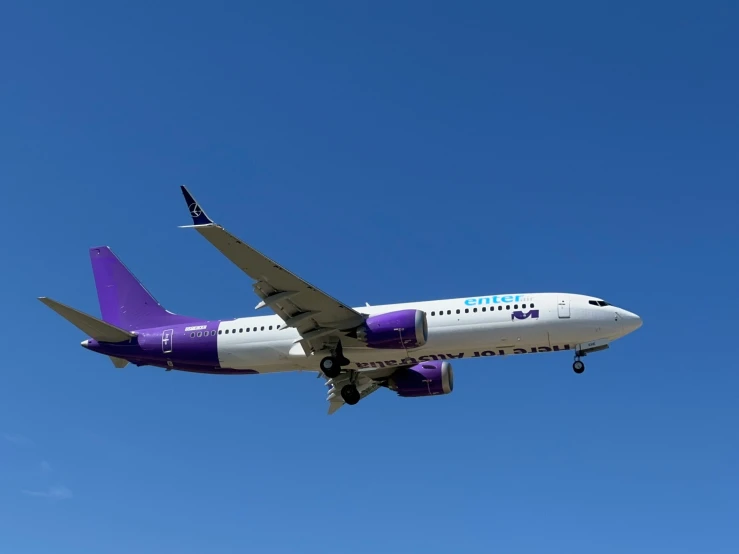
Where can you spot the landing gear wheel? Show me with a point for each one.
(350, 394)
(330, 367)
(578, 366)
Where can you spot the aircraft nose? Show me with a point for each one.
(629, 321)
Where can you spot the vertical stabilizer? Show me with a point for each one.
(124, 301)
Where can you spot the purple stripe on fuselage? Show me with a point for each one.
(191, 347)
(194, 344)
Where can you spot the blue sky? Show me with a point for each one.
(385, 152)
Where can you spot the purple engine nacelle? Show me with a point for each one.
(423, 379)
(395, 330)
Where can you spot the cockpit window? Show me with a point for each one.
(598, 303)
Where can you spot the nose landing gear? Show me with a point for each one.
(582, 350)
(578, 366)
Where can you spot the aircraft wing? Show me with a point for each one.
(318, 317)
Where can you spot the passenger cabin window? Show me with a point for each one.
(466, 310)
(508, 307)
(474, 310)
(433, 313)
(457, 311)
(500, 308)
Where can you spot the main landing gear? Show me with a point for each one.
(350, 394)
(331, 365)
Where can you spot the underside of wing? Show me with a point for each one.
(318, 317)
(366, 381)
(426, 378)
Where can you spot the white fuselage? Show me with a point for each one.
(457, 328)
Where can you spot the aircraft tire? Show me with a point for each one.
(350, 394)
(578, 366)
(330, 367)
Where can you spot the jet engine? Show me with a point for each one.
(423, 379)
(395, 330)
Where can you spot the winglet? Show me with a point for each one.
(199, 217)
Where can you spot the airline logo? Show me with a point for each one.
(497, 299)
(519, 314)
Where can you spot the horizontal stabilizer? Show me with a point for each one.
(92, 327)
(118, 362)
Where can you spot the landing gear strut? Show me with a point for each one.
(350, 394)
(578, 366)
(331, 365)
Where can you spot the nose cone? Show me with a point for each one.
(629, 321)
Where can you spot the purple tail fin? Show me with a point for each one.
(124, 301)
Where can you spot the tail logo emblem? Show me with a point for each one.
(195, 210)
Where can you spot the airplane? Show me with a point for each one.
(407, 348)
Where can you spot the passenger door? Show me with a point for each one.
(563, 306)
